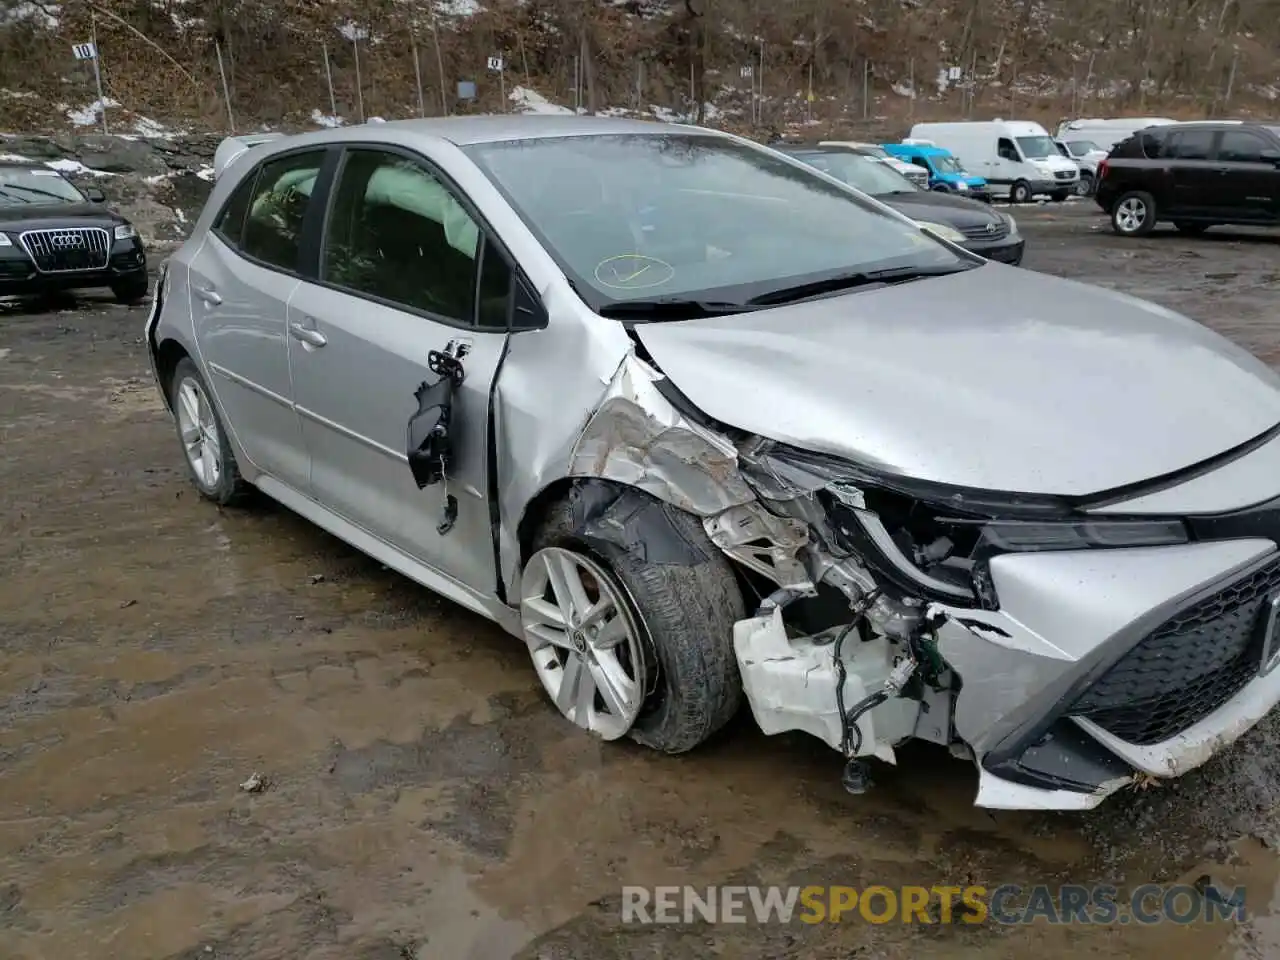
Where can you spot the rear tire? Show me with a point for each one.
(131, 291)
(210, 463)
(940, 188)
(685, 612)
(1020, 192)
(1134, 214)
(1084, 186)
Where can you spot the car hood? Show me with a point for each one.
(995, 378)
(938, 207)
(23, 216)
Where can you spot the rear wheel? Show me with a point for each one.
(1020, 192)
(1134, 214)
(1191, 228)
(1084, 186)
(941, 188)
(210, 463)
(627, 646)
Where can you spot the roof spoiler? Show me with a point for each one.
(232, 147)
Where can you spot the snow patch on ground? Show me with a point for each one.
(325, 119)
(90, 114)
(205, 173)
(530, 101)
(76, 168)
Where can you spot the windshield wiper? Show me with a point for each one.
(13, 196)
(849, 281)
(38, 192)
(672, 308)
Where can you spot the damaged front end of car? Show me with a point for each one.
(1068, 651)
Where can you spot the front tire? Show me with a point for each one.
(1134, 214)
(1020, 192)
(130, 292)
(670, 629)
(1060, 196)
(211, 465)
(1084, 186)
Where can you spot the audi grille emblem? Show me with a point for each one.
(66, 241)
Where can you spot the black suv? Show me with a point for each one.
(1193, 174)
(54, 237)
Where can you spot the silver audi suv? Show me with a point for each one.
(699, 424)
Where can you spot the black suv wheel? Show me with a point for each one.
(1134, 214)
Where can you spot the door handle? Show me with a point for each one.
(307, 335)
(208, 295)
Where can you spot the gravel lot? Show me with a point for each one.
(422, 800)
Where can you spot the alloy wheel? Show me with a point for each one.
(585, 641)
(1131, 214)
(199, 428)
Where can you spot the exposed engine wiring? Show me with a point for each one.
(847, 725)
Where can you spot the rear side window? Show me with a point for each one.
(398, 233)
(1189, 145)
(1152, 142)
(273, 222)
(1240, 146)
(230, 222)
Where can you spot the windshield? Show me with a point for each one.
(691, 216)
(863, 173)
(947, 164)
(20, 185)
(1037, 148)
(1080, 147)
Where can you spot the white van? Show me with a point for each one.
(1018, 158)
(1107, 132)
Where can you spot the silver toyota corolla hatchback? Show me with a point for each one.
(696, 421)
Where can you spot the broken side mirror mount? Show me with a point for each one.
(430, 448)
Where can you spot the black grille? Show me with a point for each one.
(1186, 668)
(1064, 174)
(62, 251)
(991, 231)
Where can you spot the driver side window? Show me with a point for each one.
(1006, 150)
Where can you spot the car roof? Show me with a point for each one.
(918, 148)
(493, 128)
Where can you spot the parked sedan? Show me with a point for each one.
(54, 237)
(696, 423)
(972, 224)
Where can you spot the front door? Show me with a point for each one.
(1249, 177)
(405, 273)
(241, 281)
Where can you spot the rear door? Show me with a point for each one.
(1197, 181)
(1249, 177)
(241, 281)
(405, 271)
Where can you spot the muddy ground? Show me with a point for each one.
(423, 800)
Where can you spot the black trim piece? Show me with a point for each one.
(1167, 481)
(1104, 657)
(309, 245)
(1065, 758)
